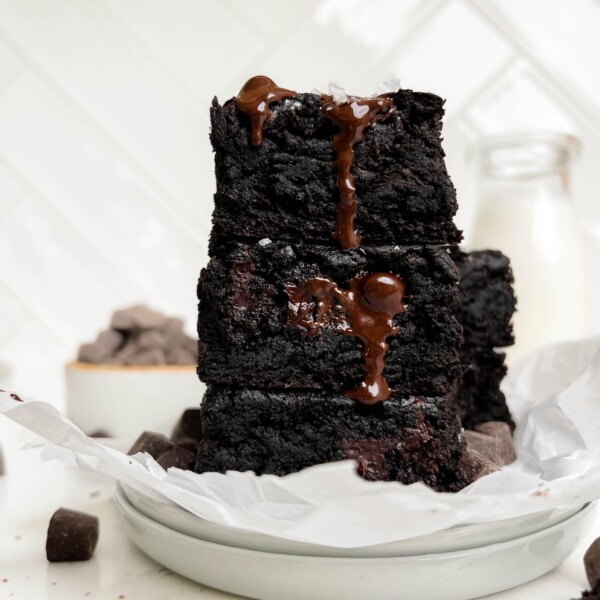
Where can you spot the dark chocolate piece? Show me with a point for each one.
(368, 309)
(249, 336)
(141, 336)
(99, 433)
(72, 536)
(137, 317)
(475, 466)
(155, 444)
(502, 432)
(189, 425)
(352, 117)
(593, 594)
(486, 445)
(286, 189)
(186, 442)
(255, 100)
(177, 457)
(591, 561)
(280, 432)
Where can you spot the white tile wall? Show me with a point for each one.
(106, 175)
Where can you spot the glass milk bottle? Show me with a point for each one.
(524, 210)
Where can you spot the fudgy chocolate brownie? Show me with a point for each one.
(477, 396)
(486, 304)
(281, 432)
(486, 298)
(251, 333)
(285, 188)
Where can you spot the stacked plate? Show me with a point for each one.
(456, 564)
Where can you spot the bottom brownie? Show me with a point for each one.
(477, 397)
(406, 440)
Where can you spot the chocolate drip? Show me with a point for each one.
(366, 310)
(352, 117)
(255, 99)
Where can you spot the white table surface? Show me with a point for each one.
(31, 490)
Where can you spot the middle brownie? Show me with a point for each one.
(248, 335)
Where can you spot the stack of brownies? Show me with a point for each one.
(328, 324)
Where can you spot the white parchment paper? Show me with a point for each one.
(554, 395)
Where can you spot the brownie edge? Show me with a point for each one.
(281, 432)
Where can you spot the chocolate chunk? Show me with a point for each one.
(90, 353)
(591, 560)
(106, 344)
(486, 445)
(177, 457)
(186, 442)
(137, 317)
(99, 433)
(172, 327)
(189, 425)
(150, 339)
(181, 356)
(147, 357)
(502, 432)
(72, 535)
(474, 465)
(154, 444)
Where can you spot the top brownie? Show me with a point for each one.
(286, 189)
(486, 298)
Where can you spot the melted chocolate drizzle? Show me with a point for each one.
(352, 117)
(255, 100)
(366, 310)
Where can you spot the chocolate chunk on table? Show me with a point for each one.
(591, 560)
(249, 335)
(593, 594)
(72, 536)
(286, 188)
(155, 444)
(177, 457)
(280, 432)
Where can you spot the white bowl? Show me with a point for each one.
(451, 540)
(441, 576)
(124, 401)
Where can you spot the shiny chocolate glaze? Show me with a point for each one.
(366, 310)
(255, 100)
(352, 117)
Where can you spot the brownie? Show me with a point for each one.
(281, 432)
(486, 298)
(485, 306)
(477, 397)
(247, 335)
(286, 188)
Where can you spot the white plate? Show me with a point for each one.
(451, 540)
(445, 576)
